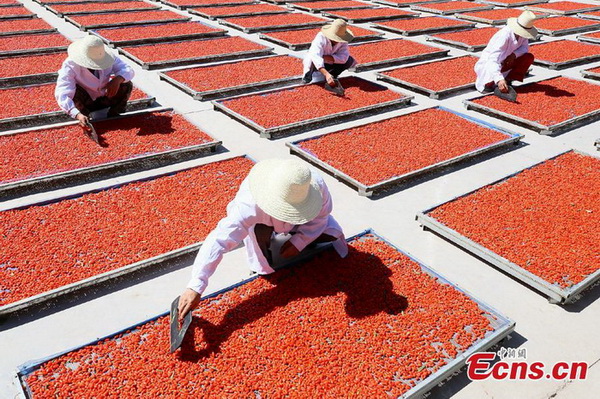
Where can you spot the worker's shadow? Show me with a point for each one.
(363, 85)
(547, 89)
(363, 279)
(156, 124)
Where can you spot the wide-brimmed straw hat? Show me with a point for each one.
(285, 190)
(338, 31)
(91, 53)
(523, 25)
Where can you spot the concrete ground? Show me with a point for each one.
(550, 333)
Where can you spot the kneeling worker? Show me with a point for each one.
(92, 78)
(278, 196)
(329, 52)
(506, 57)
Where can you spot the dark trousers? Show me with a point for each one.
(335, 69)
(519, 67)
(264, 233)
(116, 105)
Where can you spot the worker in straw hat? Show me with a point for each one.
(277, 196)
(92, 78)
(329, 52)
(506, 57)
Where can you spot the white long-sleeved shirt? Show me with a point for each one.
(501, 45)
(72, 74)
(320, 47)
(238, 226)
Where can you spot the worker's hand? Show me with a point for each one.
(509, 61)
(83, 120)
(503, 86)
(112, 87)
(330, 80)
(188, 301)
(288, 250)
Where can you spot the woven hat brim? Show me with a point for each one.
(530, 33)
(348, 37)
(272, 203)
(76, 53)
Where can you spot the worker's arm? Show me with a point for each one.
(66, 85)
(122, 73)
(497, 47)
(522, 49)
(341, 55)
(309, 232)
(123, 70)
(228, 234)
(317, 57)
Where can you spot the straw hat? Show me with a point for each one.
(284, 189)
(338, 31)
(523, 26)
(91, 53)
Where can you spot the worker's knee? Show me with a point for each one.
(263, 233)
(350, 62)
(527, 58)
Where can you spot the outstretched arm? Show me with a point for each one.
(228, 234)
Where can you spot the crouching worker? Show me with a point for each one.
(506, 57)
(278, 196)
(91, 79)
(329, 52)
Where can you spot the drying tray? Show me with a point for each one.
(561, 12)
(160, 39)
(554, 293)
(149, 7)
(32, 51)
(304, 46)
(232, 91)
(217, 3)
(588, 16)
(235, 15)
(314, 123)
(454, 43)
(179, 18)
(196, 60)
(99, 279)
(557, 128)
(424, 8)
(567, 63)
(369, 190)
(589, 39)
(408, 4)
(465, 26)
(502, 327)
(328, 8)
(434, 94)
(400, 60)
(333, 15)
(512, 5)
(104, 171)
(47, 118)
(569, 31)
(26, 80)
(590, 75)
(272, 28)
(28, 32)
(17, 16)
